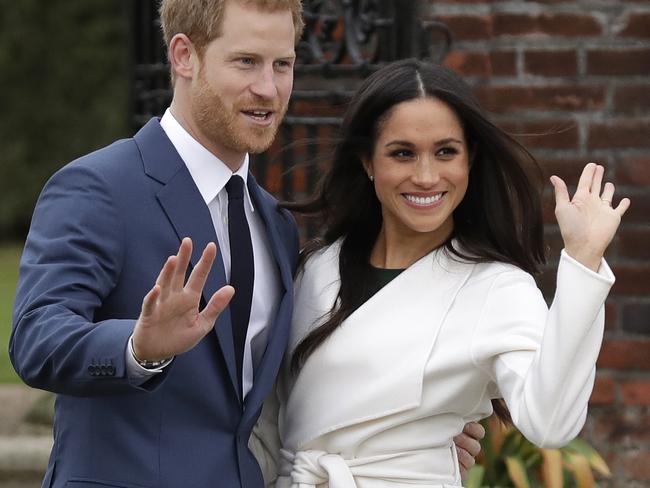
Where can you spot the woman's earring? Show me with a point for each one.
(372, 178)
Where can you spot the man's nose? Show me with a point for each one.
(264, 85)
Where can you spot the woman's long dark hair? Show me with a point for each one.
(499, 219)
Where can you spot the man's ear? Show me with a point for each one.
(183, 57)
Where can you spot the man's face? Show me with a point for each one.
(245, 80)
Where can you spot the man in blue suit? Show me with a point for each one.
(157, 393)
(161, 387)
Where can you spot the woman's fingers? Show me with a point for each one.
(561, 191)
(597, 180)
(586, 179)
(623, 206)
(608, 194)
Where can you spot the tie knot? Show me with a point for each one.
(235, 188)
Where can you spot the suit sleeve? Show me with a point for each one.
(293, 241)
(265, 439)
(70, 265)
(543, 360)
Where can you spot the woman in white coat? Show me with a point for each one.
(417, 310)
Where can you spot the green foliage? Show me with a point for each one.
(63, 92)
(508, 460)
(9, 257)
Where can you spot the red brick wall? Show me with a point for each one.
(579, 72)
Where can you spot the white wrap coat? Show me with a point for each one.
(378, 403)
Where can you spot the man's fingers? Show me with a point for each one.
(218, 302)
(183, 256)
(475, 431)
(465, 460)
(468, 444)
(166, 274)
(561, 192)
(149, 301)
(200, 273)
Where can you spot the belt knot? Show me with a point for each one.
(310, 468)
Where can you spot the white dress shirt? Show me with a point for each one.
(210, 175)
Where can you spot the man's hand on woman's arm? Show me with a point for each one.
(468, 445)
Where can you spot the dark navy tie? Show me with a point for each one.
(242, 270)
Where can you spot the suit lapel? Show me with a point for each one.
(269, 212)
(266, 371)
(189, 216)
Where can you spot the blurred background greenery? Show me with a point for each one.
(64, 91)
(9, 255)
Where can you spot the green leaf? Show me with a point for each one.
(474, 477)
(583, 448)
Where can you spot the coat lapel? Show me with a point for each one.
(373, 364)
(189, 216)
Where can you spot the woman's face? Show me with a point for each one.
(420, 166)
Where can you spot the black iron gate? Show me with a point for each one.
(344, 41)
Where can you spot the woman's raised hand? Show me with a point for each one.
(588, 221)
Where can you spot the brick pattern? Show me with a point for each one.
(571, 78)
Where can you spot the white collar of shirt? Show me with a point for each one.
(209, 173)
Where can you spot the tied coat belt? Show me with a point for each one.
(421, 468)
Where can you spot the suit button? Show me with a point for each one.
(110, 370)
(92, 370)
(102, 370)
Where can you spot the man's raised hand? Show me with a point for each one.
(170, 322)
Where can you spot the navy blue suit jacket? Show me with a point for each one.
(101, 231)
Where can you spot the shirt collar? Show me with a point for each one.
(209, 173)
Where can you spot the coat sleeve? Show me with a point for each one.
(70, 265)
(543, 360)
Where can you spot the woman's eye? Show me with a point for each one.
(246, 61)
(401, 154)
(447, 152)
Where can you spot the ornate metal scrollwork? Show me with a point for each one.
(322, 42)
(341, 35)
